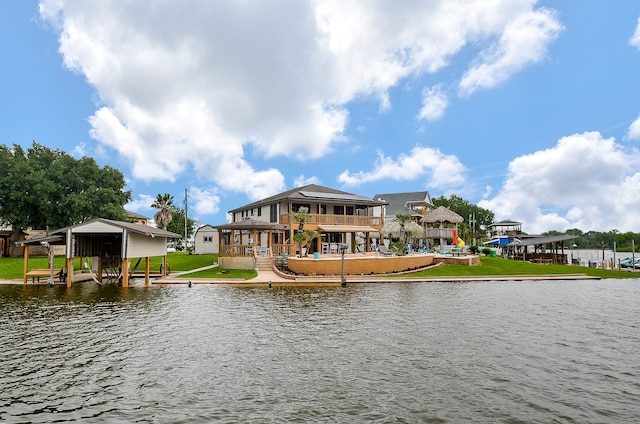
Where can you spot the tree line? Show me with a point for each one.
(623, 242)
(43, 188)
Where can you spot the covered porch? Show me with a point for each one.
(241, 242)
(540, 250)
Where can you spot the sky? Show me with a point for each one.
(528, 108)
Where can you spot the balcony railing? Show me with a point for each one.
(251, 250)
(327, 219)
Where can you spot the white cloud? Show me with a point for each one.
(203, 201)
(443, 170)
(634, 130)
(80, 150)
(581, 182)
(523, 41)
(434, 103)
(142, 203)
(301, 180)
(195, 86)
(635, 39)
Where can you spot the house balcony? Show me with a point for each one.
(506, 233)
(327, 219)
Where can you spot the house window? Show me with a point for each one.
(338, 210)
(273, 213)
(349, 210)
(207, 239)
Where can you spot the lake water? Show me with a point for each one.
(513, 352)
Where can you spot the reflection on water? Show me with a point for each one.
(419, 352)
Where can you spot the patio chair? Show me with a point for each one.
(384, 250)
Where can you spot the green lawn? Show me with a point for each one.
(244, 274)
(499, 266)
(12, 268)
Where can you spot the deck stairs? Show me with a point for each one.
(263, 263)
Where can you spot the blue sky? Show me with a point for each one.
(530, 109)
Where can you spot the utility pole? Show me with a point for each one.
(472, 223)
(185, 220)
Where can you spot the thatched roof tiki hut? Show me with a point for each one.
(441, 224)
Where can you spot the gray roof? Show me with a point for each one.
(399, 202)
(136, 228)
(533, 241)
(312, 192)
(506, 222)
(58, 236)
(131, 214)
(250, 224)
(404, 198)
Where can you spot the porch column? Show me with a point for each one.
(233, 236)
(255, 241)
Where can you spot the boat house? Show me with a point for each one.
(110, 244)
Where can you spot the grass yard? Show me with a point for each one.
(12, 268)
(499, 266)
(244, 274)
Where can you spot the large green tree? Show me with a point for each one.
(484, 217)
(46, 188)
(176, 224)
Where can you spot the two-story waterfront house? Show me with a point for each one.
(267, 226)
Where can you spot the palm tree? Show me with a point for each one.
(403, 219)
(164, 204)
(301, 216)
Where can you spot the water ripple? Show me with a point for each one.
(428, 352)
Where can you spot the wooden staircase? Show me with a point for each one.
(263, 263)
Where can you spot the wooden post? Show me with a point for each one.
(100, 269)
(147, 268)
(125, 272)
(26, 262)
(69, 272)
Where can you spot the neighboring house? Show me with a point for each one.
(5, 242)
(137, 218)
(338, 216)
(206, 240)
(416, 203)
(506, 229)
